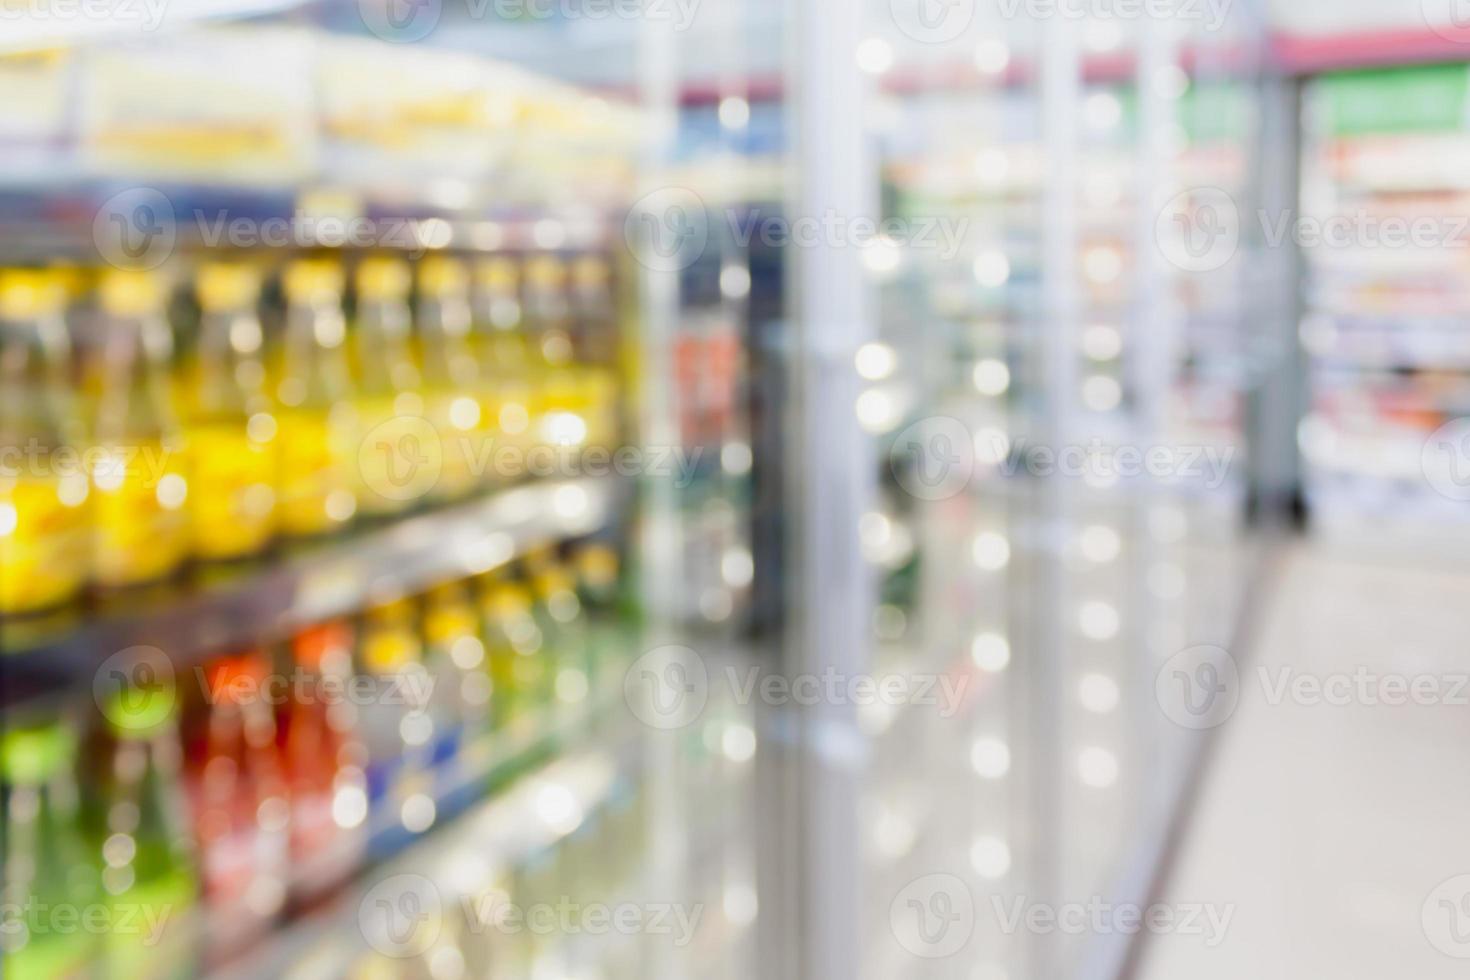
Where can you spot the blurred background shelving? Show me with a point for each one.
(577, 243)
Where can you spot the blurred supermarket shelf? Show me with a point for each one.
(58, 222)
(458, 864)
(339, 578)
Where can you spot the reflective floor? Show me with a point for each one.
(1332, 826)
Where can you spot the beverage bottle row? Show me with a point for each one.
(174, 830)
(153, 426)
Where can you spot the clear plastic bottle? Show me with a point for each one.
(396, 720)
(455, 657)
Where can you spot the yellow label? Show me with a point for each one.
(314, 493)
(140, 530)
(232, 494)
(43, 543)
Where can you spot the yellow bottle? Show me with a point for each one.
(315, 494)
(43, 488)
(452, 375)
(400, 455)
(505, 363)
(558, 416)
(596, 343)
(138, 466)
(516, 648)
(229, 425)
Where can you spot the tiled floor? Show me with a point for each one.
(1326, 829)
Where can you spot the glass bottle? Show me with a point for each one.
(230, 428)
(399, 456)
(452, 375)
(46, 866)
(43, 490)
(595, 341)
(557, 414)
(505, 363)
(140, 526)
(148, 869)
(317, 445)
(242, 817)
(516, 647)
(326, 762)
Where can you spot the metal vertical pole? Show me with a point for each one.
(834, 474)
(1154, 345)
(660, 545)
(1061, 312)
(1279, 400)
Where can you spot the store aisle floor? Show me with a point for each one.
(1328, 829)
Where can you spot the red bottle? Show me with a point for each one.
(240, 804)
(326, 762)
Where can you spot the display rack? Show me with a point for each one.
(333, 580)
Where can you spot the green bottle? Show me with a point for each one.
(48, 924)
(148, 873)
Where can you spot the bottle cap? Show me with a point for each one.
(225, 287)
(313, 645)
(29, 293)
(33, 755)
(507, 599)
(440, 276)
(236, 679)
(546, 272)
(130, 292)
(383, 278)
(498, 274)
(313, 280)
(389, 644)
(551, 580)
(139, 712)
(591, 271)
(449, 615)
(598, 565)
